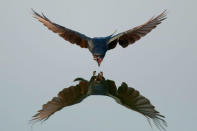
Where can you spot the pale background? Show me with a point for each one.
(35, 64)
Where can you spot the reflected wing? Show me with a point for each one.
(66, 97)
(132, 35)
(111, 87)
(67, 34)
(131, 98)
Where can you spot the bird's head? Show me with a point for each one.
(98, 59)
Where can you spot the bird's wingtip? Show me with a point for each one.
(34, 13)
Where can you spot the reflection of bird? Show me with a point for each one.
(98, 46)
(124, 95)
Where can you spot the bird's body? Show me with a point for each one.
(98, 85)
(98, 46)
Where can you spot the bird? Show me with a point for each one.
(98, 85)
(98, 46)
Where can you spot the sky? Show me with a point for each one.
(35, 64)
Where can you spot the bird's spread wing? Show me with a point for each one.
(110, 84)
(67, 34)
(131, 98)
(132, 35)
(66, 97)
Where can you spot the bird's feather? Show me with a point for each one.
(132, 99)
(66, 97)
(131, 36)
(68, 34)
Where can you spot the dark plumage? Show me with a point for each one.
(98, 85)
(98, 46)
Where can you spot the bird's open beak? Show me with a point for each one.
(99, 60)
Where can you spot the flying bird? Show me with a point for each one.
(98, 85)
(98, 46)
